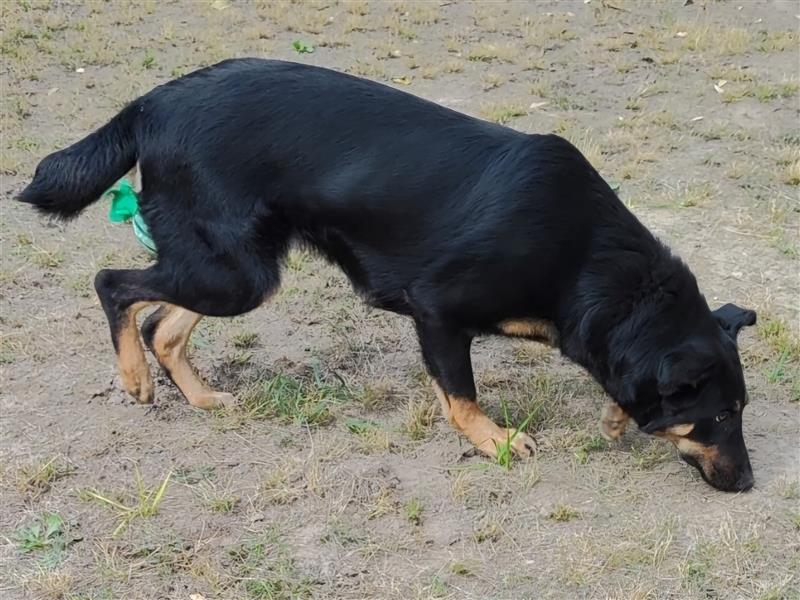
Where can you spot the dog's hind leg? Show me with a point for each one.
(613, 421)
(210, 289)
(446, 354)
(130, 356)
(166, 332)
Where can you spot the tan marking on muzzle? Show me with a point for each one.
(706, 456)
(680, 430)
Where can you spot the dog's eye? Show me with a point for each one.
(722, 416)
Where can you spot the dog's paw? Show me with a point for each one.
(613, 422)
(138, 383)
(612, 430)
(522, 445)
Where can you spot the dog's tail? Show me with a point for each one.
(69, 180)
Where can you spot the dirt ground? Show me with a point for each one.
(337, 476)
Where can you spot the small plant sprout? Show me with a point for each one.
(414, 511)
(504, 453)
(145, 504)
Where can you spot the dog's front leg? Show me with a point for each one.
(446, 354)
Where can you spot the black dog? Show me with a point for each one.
(467, 227)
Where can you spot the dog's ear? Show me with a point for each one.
(685, 367)
(732, 318)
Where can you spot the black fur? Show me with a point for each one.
(68, 181)
(454, 221)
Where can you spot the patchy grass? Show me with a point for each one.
(536, 404)
(563, 513)
(303, 400)
(371, 437)
(776, 333)
(763, 92)
(508, 53)
(418, 418)
(51, 584)
(141, 504)
(693, 195)
(282, 485)
(776, 41)
(38, 477)
(503, 112)
(791, 175)
(46, 537)
(413, 510)
(217, 498)
(715, 40)
(648, 454)
(245, 339)
(266, 570)
(594, 444)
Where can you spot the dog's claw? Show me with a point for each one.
(523, 445)
(212, 400)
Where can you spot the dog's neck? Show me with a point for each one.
(629, 307)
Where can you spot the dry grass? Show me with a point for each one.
(38, 477)
(503, 112)
(508, 53)
(142, 503)
(418, 418)
(716, 40)
(49, 584)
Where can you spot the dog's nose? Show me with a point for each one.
(745, 482)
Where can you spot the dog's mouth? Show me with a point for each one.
(740, 481)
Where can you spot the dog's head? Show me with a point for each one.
(695, 399)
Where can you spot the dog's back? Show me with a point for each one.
(419, 204)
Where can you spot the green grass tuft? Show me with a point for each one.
(305, 401)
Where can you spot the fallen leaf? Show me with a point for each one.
(681, 34)
(405, 80)
(697, 119)
(536, 105)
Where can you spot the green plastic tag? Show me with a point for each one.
(124, 202)
(143, 233)
(125, 208)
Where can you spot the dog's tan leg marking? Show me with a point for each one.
(613, 421)
(467, 417)
(169, 345)
(537, 330)
(130, 357)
